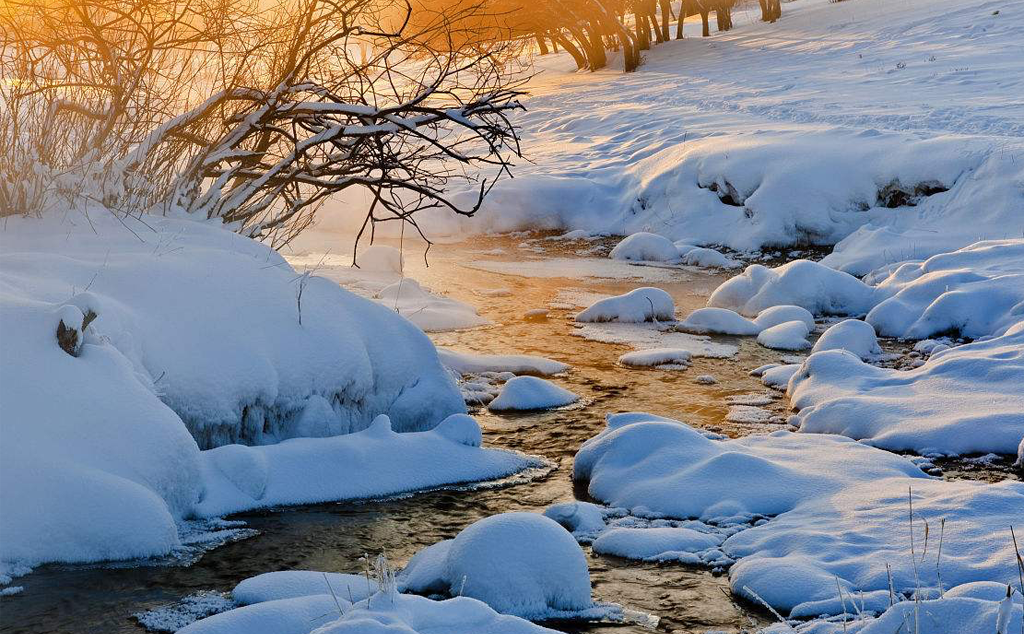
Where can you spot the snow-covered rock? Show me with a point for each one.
(291, 584)
(810, 285)
(636, 306)
(473, 363)
(791, 335)
(718, 321)
(645, 247)
(430, 312)
(705, 258)
(657, 544)
(967, 399)
(524, 564)
(530, 393)
(584, 520)
(852, 335)
(661, 468)
(781, 314)
(847, 537)
(656, 357)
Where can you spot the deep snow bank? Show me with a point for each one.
(212, 320)
(197, 330)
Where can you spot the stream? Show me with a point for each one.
(331, 537)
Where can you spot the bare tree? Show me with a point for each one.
(249, 114)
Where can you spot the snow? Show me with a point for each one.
(851, 335)
(473, 363)
(299, 615)
(583, 519)
(207, 361)
(655, 544)
(652, 336)
(645, 247)
(374, 463)
(810, 285)
(430, 312)
(847, 537)
(530, 393)
(382, 258)
(791, 335)
(964, 400)
(656, 357)
(718, 321)
(705, 257)
(975, 291)
(781, 314)
(637, 306)
(519, 563)
(666, 468)
(291, 584)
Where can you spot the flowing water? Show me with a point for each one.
(332, 537)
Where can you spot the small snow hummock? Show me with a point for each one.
(781, 314)
(430, 312)
(584, 520)
(965, 400)
(705, 258)
(636, 306)
(525, 393)
(791, 335)
(474, 363)
(518, 563)
(657, 357)
(810, 285)
(852, 335)
(718, 321)
(645, 247)
(381, 258)
(657, 544)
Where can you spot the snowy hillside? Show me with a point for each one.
(893, 127)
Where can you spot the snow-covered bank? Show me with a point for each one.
(180, 336)
(969, 399)
(895, 131)
(804, 533)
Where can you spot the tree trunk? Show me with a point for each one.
(541, 44)
(705, 27)
(577, 56)
(666, 15)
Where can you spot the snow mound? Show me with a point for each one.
(219, 337)
(803, 283)
(656, 357)
(636, 306)
(380, 614)
(530, 393)
(657, 544)
(350, 467)
(660, 468)
(583, 519)
(976, 291)
(291, 584)
(852, 335)
(381, 258)
(718, 321)
(705, 258)
(848, 537)
(791, 335)
(518, 563)
(645, 247)
(432, 313)
(473, 363)
(781, 314)
(965, 400)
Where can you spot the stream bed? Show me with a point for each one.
(538, 274)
